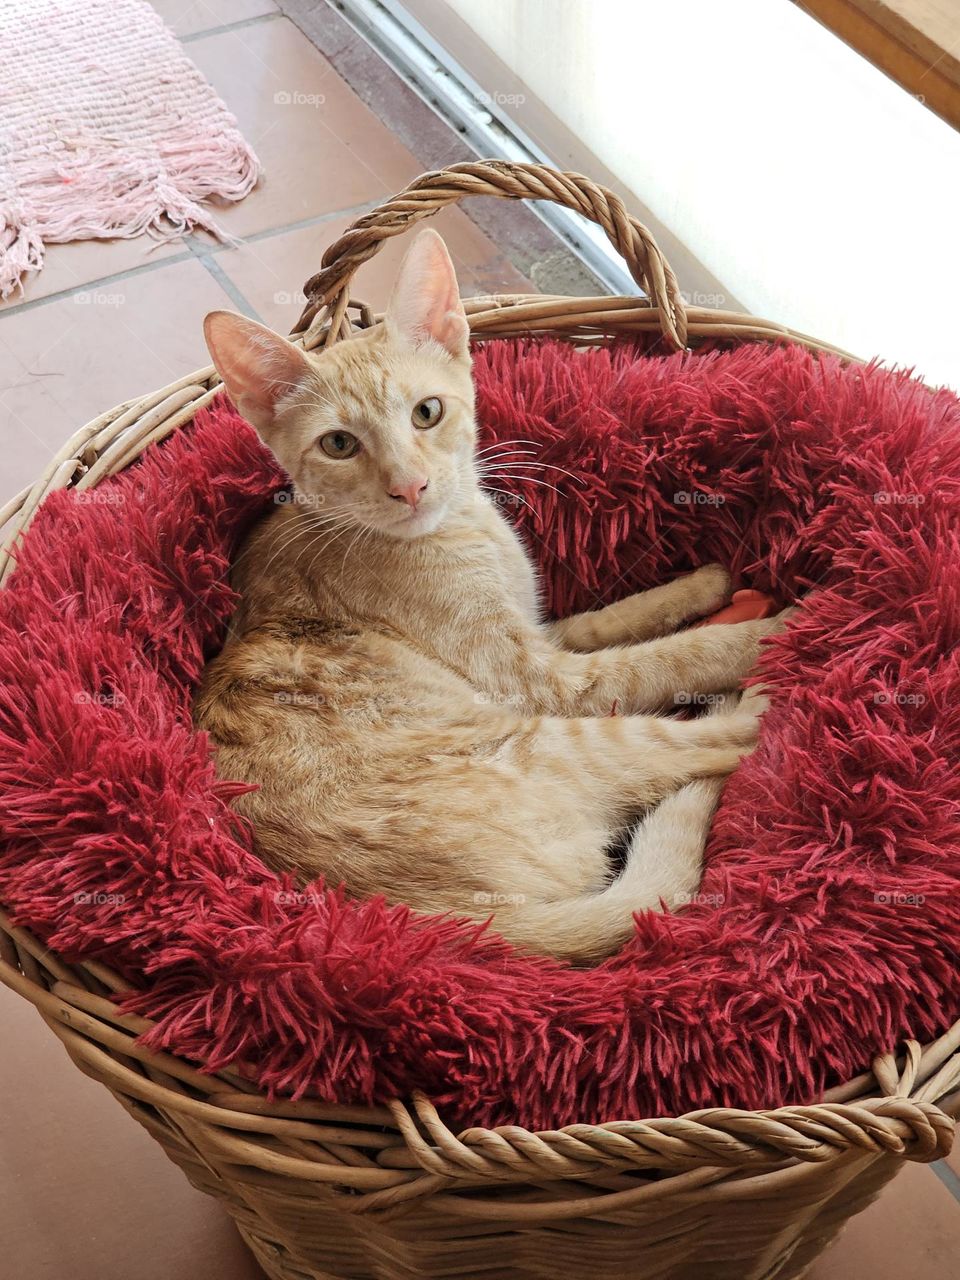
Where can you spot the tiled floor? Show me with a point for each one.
(89, 1195)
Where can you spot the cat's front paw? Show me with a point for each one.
(753, 701)
(743, 727)
(749, 702)
(709, 587)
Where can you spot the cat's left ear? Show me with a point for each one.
(425, 304)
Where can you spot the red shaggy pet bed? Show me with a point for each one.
(827, 925)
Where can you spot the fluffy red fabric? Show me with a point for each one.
(826, 928)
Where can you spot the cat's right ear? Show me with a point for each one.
(258, 367)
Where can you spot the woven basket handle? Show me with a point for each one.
(434, 191)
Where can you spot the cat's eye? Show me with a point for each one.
(339, 444)
(427, 413)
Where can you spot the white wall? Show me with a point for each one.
(821, 194)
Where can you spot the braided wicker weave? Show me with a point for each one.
(390, 1192)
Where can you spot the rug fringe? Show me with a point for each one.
(21, 249)
(112, 195)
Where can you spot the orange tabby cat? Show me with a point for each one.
(414, 727)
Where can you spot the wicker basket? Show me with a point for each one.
(333, 1191)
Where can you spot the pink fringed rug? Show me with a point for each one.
(106, 129)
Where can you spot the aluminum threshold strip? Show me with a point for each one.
(465, 106)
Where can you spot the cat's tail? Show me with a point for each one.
(663, 865)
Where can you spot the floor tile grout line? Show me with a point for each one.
(233, 292)
(947, 1176)
(315, 220)
(90, 286)
(189, 254)
(226, 28)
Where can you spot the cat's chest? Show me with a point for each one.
(513, 572)
(483, 582)
(465, 596)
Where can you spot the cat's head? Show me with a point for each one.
(377, 430)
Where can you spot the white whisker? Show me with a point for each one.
(307, 524)
(280, 543)
(506, 475)
(505, 453)
(359, 534)
(543, 466)
(502, 444)
(325, 546)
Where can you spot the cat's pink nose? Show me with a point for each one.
(410, 493)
